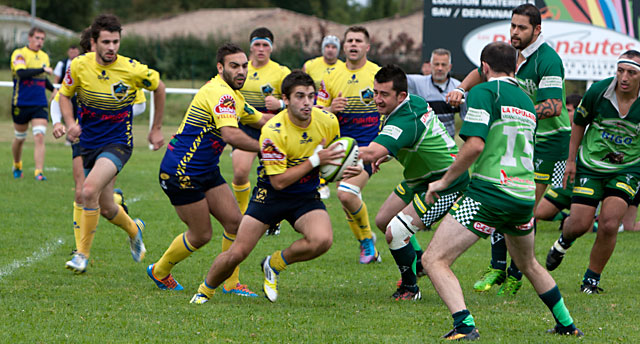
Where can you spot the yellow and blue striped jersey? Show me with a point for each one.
(196, 147)
(29, 91)
(106, 95)
(284, 145)
(360, 119)
(319, 70)
(262, 82)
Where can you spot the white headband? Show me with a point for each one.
(633, 63)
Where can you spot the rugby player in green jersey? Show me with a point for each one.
(498, 132)
(604, 164)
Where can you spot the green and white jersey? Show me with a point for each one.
(541, 76)
(611, 144)
(502, 115)
(414, 135)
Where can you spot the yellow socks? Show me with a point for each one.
(179, 249)
(361, 219)
(353, 225)
(243, 194)
(37, 172)
(123, 221)
(205, 289)
(277, 261)
(234, 279)
(17, 165)
(88, 224)
(77, 217)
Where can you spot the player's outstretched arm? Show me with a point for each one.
(321, 156)
(454, 98)
(155, 134)
(237, 138)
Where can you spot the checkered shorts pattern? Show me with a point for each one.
(466, 211)
(558, 173)
(439, 208)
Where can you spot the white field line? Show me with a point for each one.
(39, 255)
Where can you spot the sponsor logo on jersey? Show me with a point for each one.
(528, 86)
(617, 139)
(119, 90)
(366, 96)
(164, 176)
(353, 80)
(261, 195)
(146, 83)
(185, 182)
(275, 127)
(267, 90)
(103, 76)
(254, 76)
(323, 93)
(391, 130)
(226, 105)
(270, 152)
(483, 228)
(583, 181)
(67, 77)
(305, 138)
(512, 112)
(19, 60)
(541, 176)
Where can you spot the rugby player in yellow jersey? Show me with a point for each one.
(59, 130)
(318, 68)
(348, 93)
(291, 151)
(29, 66)
(262, 91)
(189, 172)
(106, 85)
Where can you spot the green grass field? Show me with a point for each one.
(330, 299)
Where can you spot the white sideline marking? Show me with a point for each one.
(132, 199)
(43, 253)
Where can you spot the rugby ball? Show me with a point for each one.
(333, 173)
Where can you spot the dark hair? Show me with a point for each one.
(225, 50)
(105, 22)
(574, 99)
(35, 29)
(296, 78)
(395, 74)
(631, 53)
(500, 56)
(85, 40)
(73, 46)
(356, 28)
(261, 32)
(530, 11)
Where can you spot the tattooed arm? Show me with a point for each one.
(549, 108)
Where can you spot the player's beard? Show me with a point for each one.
(229, 79)
(523, 42)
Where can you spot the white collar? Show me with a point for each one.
(528, 51)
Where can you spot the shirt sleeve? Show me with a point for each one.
(249, 114)
(70, 81)
(18, 61)
(272, 152)
(585, 111)
(324, 93)
(395, 136)
(478, 118)
(551, 80)
(145, 77)
(223, 109)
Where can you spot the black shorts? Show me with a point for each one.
(119, 154)
(76, 150)
(24, 114)
(270, 206)
(183, 190)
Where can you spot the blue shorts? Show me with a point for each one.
(76, 150)
(271, 206)
(183, 190)
(119, 154)
(24, 114)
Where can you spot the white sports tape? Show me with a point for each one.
(346, 187)
(56, 114)
(138, 109)
(39, 129)
(20, 135)
(401, 230)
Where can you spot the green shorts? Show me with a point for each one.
(549, 172)
(484, 220)
(559, 197)
(590, 190)
(429, 213)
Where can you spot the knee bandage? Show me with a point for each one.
(20, 135)
(401, 231)
(346, 187)
(39, 129)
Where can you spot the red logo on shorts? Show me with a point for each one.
(226, 106)
(527, 226)
(482, 228)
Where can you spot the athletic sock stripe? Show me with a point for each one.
(184, 240)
